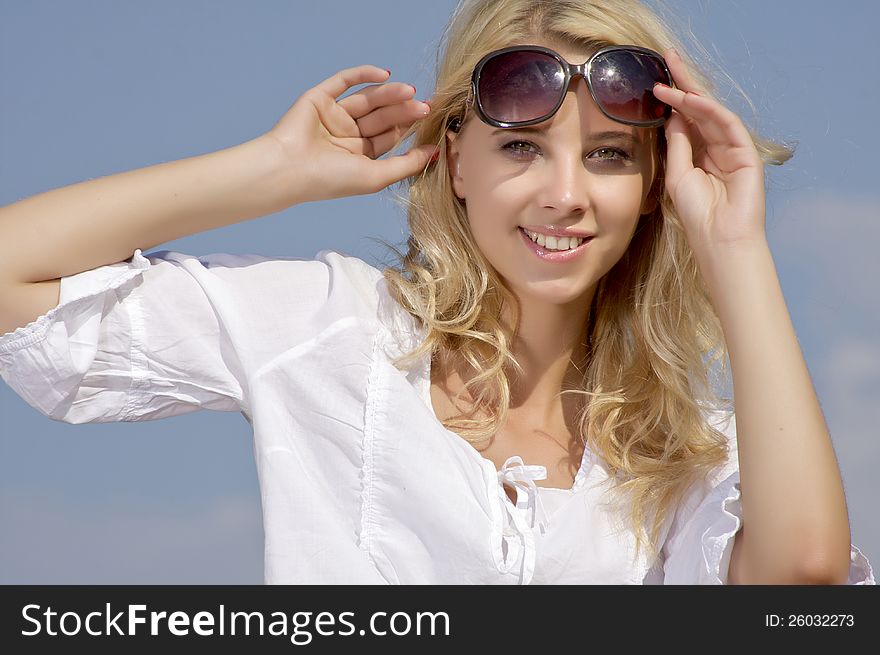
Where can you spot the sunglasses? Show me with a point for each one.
(523, 85)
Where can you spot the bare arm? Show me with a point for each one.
(795, 522)
(320, 149)
(792, 492)
(102, 221)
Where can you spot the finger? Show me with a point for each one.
(335, 118)
(718, 124)
(370, 98)
(335, 85)
(376, 146)
(679, 150)
(385, 172)
(379, 107)
(401, 115)
(681, 75)
(385, 141)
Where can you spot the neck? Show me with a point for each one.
(551, 347)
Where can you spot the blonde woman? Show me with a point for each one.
(529, 397)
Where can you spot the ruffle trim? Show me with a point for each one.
(719, 538)
(100, 280)
(860, 571)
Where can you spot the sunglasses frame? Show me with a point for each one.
(572, 71)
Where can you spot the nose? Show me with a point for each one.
(567, 187)
(567, 184)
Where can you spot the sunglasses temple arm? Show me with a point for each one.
(456, 123)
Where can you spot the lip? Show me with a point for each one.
(552, 255)
(556, 231)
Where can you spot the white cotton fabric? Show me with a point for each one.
(360, 481)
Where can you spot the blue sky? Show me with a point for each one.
(92, 88)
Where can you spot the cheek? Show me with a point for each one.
(494, 202)
(618, 199)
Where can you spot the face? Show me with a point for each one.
(582, 171)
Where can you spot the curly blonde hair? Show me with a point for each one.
(656, 349)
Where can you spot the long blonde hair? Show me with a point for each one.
(656, 346)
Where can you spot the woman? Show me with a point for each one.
(495, 411)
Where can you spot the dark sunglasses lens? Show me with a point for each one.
(520, 86)
(623, 81)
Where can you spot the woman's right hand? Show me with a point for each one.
(331, 148)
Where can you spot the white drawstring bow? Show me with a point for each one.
(522, 477)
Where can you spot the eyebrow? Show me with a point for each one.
(596, 136)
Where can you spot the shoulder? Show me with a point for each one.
(314, 293)
(725, 474)
(329, 279)
(724, 420)
(363, 278)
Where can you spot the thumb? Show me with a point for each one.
(396, 168)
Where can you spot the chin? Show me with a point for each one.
(552, 292)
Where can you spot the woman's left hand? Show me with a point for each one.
(714, 173)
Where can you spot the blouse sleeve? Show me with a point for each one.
(699, 543)
(170, 333)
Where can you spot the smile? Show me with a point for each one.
(553, 255)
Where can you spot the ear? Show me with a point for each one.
(453, 163)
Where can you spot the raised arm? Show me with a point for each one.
(102, 221)
(795, 524)
(320, 149)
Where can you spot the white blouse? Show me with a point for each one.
(360, 482)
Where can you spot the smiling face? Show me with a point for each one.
(578, 170)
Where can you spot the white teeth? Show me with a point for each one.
(555, 243)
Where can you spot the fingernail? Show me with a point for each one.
(388, 71)
(665, 86)
(436, 155)
(413, 88)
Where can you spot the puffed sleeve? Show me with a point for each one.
(699, 544)
(170, 333)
